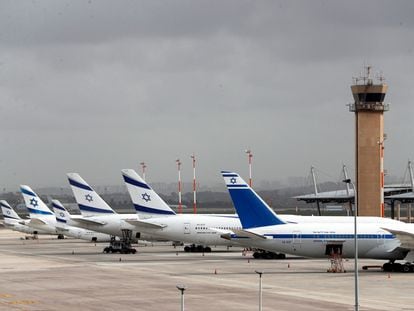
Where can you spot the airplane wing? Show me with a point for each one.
(36, 221)
(248, 234)
(90, 221)
(144, 224)
(406, 237)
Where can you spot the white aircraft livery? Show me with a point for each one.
(41, 217)
(63, 220)
(13, 221)
(262, 228)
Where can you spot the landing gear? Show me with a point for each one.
(60, 236)
(398, 267)
(122, 246)
(197, 249)
(262, 254)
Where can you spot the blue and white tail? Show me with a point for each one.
(61, 214)
(89, 202)
(252, 210)
(37, 208)
(146, 201)
(9, 213)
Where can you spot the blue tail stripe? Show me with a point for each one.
(230, 175)
(251, 209)
(5, 206)
(79, 185)
(145, 209)
(57, 206)
(134, 182)
(94, 209)
(61, 220)
(25, 191)
(39, 212)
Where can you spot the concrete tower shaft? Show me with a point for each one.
(369, 138)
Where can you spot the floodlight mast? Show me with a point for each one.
(194, 184)
(180, 206)
(143, 167)
(249, 158)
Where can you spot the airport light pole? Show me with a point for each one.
(180, 206)
(348, 181)
(194, 184)
(260, 288)
(143, 167)
(249, 156)
(182, 288)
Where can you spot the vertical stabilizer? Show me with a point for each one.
(37, 208)
(146, 201)
(252, 210)
(89, 202)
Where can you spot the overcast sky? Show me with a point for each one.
(97, 86)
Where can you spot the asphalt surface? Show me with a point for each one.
(51, 274)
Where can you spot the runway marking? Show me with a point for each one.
(6, 295)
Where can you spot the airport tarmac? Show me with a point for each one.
(51, 274)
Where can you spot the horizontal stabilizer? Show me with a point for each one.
(248, 234)
(144, 224)
(406, 237)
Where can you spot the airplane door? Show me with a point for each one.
(187, 228)
(296, 239)
(380, 237)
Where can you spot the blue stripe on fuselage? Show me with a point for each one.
(322, 236)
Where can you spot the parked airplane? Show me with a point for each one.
(41, 217)
(99, 216)
(63, 226)
(13, 221)
(192, 228)
(264, 229)
(157, 218)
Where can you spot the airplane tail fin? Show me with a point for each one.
(8, 212)
(89, 202)
(146, 201)
(61, 214)
(37, 208)
(252, 210)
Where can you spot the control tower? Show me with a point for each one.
(369, 139)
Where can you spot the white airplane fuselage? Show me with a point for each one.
(17, 225)
(189, 228)
(314, 240)
(83, 234)
(111, 224)
(44, 223)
